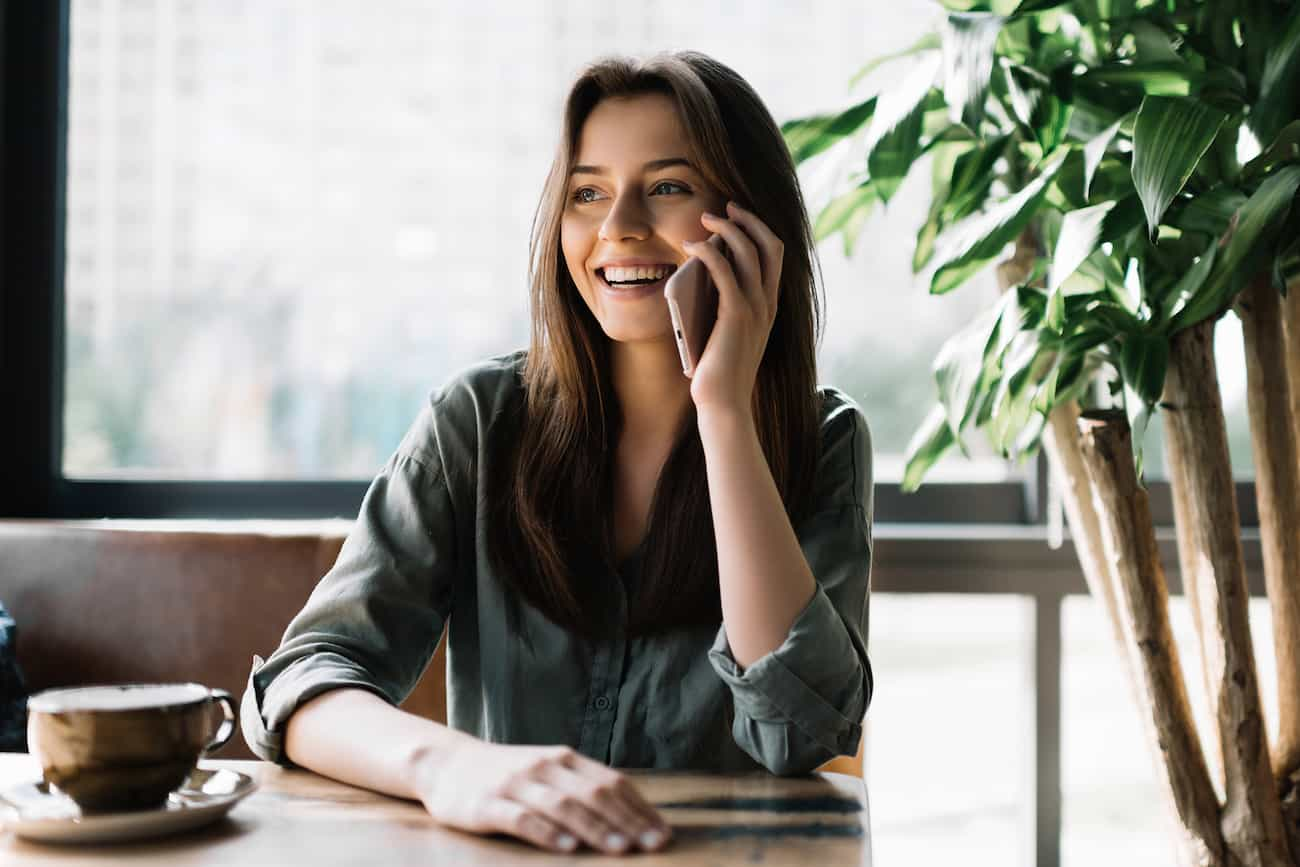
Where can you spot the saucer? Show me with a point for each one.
(35, 812)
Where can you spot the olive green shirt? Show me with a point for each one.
(416, 562)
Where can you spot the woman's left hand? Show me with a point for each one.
(747, 298)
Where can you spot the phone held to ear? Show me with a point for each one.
(693, 305)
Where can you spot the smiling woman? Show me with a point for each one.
(621, 202)
(633, 568)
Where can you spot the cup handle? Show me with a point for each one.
(227, 727)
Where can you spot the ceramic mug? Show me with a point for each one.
(125, 747)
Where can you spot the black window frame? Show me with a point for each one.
(33, 163)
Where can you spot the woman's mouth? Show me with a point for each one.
(633, 283)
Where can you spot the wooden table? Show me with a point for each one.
(297, 817)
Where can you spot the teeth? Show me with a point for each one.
(651, 272)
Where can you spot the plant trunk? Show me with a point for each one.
(1133, 561)
(1062, 445)
(1209, 550)
(1273, 397)
(1291, 329)
(1277, 490)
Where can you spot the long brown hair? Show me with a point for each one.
(551, 483)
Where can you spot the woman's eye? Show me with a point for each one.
(669, 184)
(581, 197)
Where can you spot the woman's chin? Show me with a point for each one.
(628, 330)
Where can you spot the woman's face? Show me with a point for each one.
(633, 198)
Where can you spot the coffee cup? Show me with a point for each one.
(125, 747)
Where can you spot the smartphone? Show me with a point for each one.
(693, 305)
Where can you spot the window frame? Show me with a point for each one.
(33, 169)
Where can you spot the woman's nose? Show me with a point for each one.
(627, 218)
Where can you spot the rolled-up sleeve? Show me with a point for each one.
(803, 704)
(374, 619)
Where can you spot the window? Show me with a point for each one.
(360, 226)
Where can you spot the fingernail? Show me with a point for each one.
(651, 839)
(615, 841)
(568, 842)
(709, 216)
(732, 206)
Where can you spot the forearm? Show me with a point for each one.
(765, 579)
(356, 737)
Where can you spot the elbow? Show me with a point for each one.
(787, 751)
(796, 765)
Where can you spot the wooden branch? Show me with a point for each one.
(1133, 561)
(1291, 328)
(1277, 491)
(1289, 779)
(1061, 443)
(1209, 549)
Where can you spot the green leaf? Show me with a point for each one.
(809, 136)
(1082, 231)
(853, 229)
(1117, 318)
(929, 42)
(1279, 89)
(1093, 152)
(1080, 235)
(894, 139)
(928, 232)
(843, 208)
(1102, 271)
(1139, 414)
(1082, 341)
(1190, 283)
(1153, 43)
(1257, 224)
(962, 367)
(1169, 138)
(1029, 7)
(1163, 78)
(1027, 361)
(1283, 149)
(930, 442)
(975, 241)
(1143, 360)
(1210, 212)
(968, 40)
(972, 176)
(1036, 107)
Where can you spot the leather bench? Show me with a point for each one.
(158, 601)
(118, 601)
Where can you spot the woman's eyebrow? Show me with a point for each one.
(649, 167)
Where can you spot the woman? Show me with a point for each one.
(611, 546)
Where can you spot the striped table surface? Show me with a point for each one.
(297, 817)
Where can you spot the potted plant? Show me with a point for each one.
(1143, 158)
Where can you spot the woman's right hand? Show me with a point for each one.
(553, 797)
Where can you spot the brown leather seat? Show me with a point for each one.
(120, 602)
(160, 601)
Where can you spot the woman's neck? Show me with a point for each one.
(652, 392)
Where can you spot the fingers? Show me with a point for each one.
(554, 798)
(624, 791)
(521, 821)
(743, 251)
(566, 806)
(771, 247)
(604, 801)
(729, 291)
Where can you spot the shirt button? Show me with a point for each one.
(603, 702)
